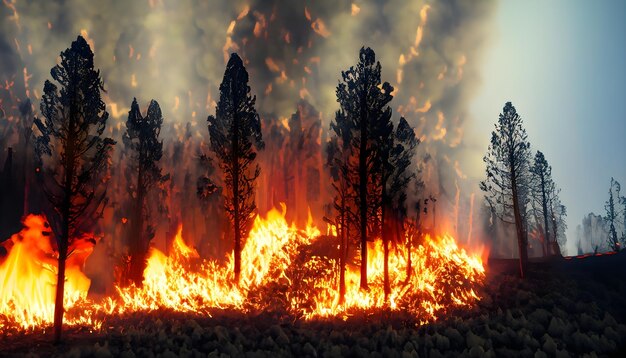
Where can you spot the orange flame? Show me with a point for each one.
(28, 276)
(277, 259)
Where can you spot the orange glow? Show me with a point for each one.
(28, 276)
(275, 262)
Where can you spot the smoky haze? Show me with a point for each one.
(175, 52)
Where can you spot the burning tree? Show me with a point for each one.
(506, 186)
(612, 214)
(71, 136)
(301, 155)
(141, 140)
(338, 156)
(396, 157)
(235, 133)
(365, 113)
(544, 191)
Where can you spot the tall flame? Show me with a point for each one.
(28, 275)
(280, 269)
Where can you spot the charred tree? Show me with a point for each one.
(76, 153)
(141, 140)
(364, 100)
(338, 162)
(235, 133)
(612, 214)
(397, 151)
(506, 186)
(302, 156)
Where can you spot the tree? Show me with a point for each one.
(623, 202)
(141, 140)
(397, 154)
(559, 225)
(506, 186)
(612, 214)
(71, 138)
(364, 104)
(338, 161)
(301, 160)
(235, 133)
(544, 190)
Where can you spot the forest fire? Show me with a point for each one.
(442, 276)
(28, 275)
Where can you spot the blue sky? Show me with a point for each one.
(563, 65)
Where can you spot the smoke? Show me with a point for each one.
(175, 52)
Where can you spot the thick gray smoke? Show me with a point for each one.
(175, 52)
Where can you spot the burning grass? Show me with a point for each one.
(283, 273)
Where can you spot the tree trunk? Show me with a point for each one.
(386, 284)
(363, 189)
(236, 218)
(544, 203)
(385, 238)
(58, 301)
(343, 250)
(519, 227)
(138, 246)
(409, 264)
(63, 241)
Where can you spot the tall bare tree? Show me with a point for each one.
(76, 153)
(507, 184)
(235, 133)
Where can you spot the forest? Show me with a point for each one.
(313, 222)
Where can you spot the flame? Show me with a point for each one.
(28, 276)
(443, 275)
(279, 267)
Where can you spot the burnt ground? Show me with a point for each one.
(563, 308)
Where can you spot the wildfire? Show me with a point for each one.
(28, 276)
(281, 270)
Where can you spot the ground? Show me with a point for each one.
(563, 308)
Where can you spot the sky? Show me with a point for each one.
(563, 66)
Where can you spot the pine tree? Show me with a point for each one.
(141, 140)
(364, 104)
(506, 186)
(338, 162)
(397, 153)
(612, 213)
(76, 153)
(235, 133)
(558, 213)
(544, 189)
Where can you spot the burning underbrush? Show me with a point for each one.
(284, 272)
